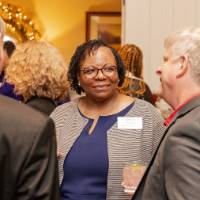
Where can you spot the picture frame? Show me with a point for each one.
(105, 26)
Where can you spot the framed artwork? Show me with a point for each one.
(105, 26)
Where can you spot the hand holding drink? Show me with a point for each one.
(132, 174)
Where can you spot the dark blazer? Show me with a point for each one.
(28, 166)
(174, 170)
(41, 104)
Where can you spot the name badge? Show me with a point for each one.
(129, 123)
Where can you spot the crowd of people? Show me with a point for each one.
(54, 147)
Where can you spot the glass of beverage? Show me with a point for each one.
(132, 174)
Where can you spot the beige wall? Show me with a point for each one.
(63, 21)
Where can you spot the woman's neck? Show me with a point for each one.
(93, 108)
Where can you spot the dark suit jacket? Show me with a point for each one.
(41, 104)
(174, 170)
(28, 166)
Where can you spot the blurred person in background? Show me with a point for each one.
(134, 84)
(8, 47)
(102, 130)
(6, 89)
(38, 73)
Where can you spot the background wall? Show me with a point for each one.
(63, 21)
(147, 22)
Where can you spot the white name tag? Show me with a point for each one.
(129, 123)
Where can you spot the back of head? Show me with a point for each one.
(36, 68)
(132, 56)
(9, 47)
(186, 42)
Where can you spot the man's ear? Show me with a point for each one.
(183, 66)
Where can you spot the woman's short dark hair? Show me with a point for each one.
(80, 54)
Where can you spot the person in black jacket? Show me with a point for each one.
(28, 165)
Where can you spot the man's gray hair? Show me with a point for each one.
(187, 42)
(2, 26)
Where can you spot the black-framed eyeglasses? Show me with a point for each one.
(91, 72)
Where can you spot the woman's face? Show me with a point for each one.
(98, 74)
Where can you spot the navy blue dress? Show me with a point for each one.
(86, 165)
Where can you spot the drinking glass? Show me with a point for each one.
(132, 174)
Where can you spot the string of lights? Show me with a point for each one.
(18, 22)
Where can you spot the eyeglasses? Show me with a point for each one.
(91, 72)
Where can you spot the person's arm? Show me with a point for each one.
(181, 163)
(39, 179)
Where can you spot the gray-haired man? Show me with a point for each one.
(174, 171)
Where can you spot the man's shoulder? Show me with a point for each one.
(187, 124)
(191, 116)
(16, 115)
(16, 107)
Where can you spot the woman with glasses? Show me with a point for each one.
(101, 131)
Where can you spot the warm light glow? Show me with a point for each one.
(18, 22)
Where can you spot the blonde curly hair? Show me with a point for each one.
(36, 68)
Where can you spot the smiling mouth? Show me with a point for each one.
(100, 86)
